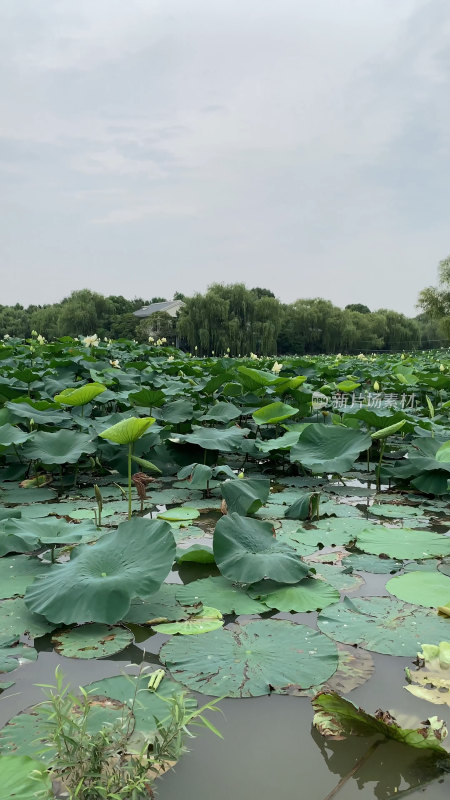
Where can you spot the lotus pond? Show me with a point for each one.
(275, 535)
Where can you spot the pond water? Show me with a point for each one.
(269, 748)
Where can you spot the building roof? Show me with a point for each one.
(170, 307)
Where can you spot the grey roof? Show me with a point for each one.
(170, 307)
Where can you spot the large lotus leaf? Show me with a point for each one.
(333, 532)
(148, 707)
(12, 655)
(443, 453)
(100, 580)
(207, 620)
(308, 595)
(196, 554)
(432, 681)
(16, 619)
(355, 667)
(395, 512)
(222, 412)
(382, 624)
(225, 440)
(31, 495)
(221, 594)
(251, 659)
(429, 589)
(92, 641)
(62, 447)
(161, 607)
(25, 734)
(246, 551)
(79, 396)
(11, 435)
(147, 397)
(284, 442)
(128, 430)
(52, 530)
(273, 412)
(337, 718)
(180, 514)
(23, 778)
(340, 579)
(403, 543)
(305, 507)
(177, 411)
(245, 496)
(42, 412)
(17, 572)
(198, 475)
(16, 540)
(329, 448)
(362, 562)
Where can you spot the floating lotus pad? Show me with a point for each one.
(338, 577)
(16, 620)
(180, 514)
(209, 619)
(219, 593)
(161, 607)
(403, 543)
(12, 655)
(196, 553)
(355, 667)
(309, 595)
(429, 589)
(364, 562)
(382, 625)
(92, 641)
(396, 512)
(251, 659)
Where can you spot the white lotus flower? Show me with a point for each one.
(91, 341)
(171, 358)
(151, 339)
(34, 333)
(277, 368)
(253, 356)
(6, 336)
(362, 357)
(41, 339)
(441, 368)
(115, 363)
(163, 340)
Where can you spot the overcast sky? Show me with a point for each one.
(154, 146)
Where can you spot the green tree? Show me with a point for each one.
(435, 301)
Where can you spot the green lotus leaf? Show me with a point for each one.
(245, 496)
(79, 396)
(23, 778)
(251, 659)
(383, 433)
(347, 386)
(431, 681)
(284, 442)
(161, 607)
(305, 507)
(42, 412)
(100, 580)
(273, 412)
(405, 543)
(92, 641)
(9, 435)
(219, 593)
(329, 448)
(308, 595)
(225, 440)
(336, 718)
(382, 624)
(355, 667)
(429, 589)
(340, 579)
(442, 454)
(394, 511)
(196, 553)
(254, 378)
(16, 620)
(13, 655)
(246, 551)
(209, 619)
(221, 412)
(177, 411)
(180, 514)
(18, 572)
(362, 562)
(149, 708)
(62, 447)
(332, 532)
(128, 430)
(25, 496)
(152, 398)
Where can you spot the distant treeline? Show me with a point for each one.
(243, 320)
